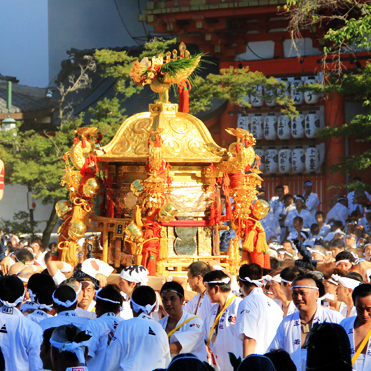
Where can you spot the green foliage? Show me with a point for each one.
(20, 224)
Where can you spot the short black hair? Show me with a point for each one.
(361, 291)
(217, 276)
(11, 288)
(345, 255)
(275, 263)
(172, 286)
(45, 295)
(144, 295)
(37, 240)
(337, 224)
(337, 242)
(311, 276)
(286, 196)
(23, 255)
(354, 276)
(290, 273)
(38, 281)
(199, 268)
(253, 271)
(64, 293)
(299, 219)
(280, 186)
(319, 212)
(281, 360)
(111, 292)
(314, 229)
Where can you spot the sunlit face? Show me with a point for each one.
(298, 225)
(363, 307)
(305, 298)
(330, 288)
(288, 201)
(342, 292)
(350, 241)
(287, 246)
(319, 219)
(336, 250)
(211, 293)
(286, 289)
(193, 281)
(279, 193)
(299, 203)
(367, 252)
(88, 293)
(317, 256)
(344, 266)
(171, 302)
(126, 286)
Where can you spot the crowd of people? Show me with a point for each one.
(311, 311)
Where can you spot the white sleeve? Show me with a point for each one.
(189, 338)
(312, 201)
(59, 277)
(93, 342)
(248, 324)
(278, 341)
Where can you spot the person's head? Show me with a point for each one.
(287, 276)
(281, 360)
(362, 301)
(132, 277)
(279, 191)
(288, 199)
(318, 253)
(336, 224)
(108, 300)
(45, 299)
(37, 282)
(75, 285)
(336, 246)
(330, 283)
(36, 245)
(172, 295)
(328, 348)
(351, 224)
(45, 349)
(346, 285)
(196, 273)
(287, 245)
(360, 197)
(299, 201)
(63, 356)
(368, 211)
(350, 239)
(217, 284)
(11, 291)
(186, 362)
(320, 217)
(308, 186)
(305, 293)
(298, 223)
(275, 263)
(256, 362)
(250, 276)
(64, 298)
(345, 260)
(262, 195)
(343, 200)
(367, 251)
(314, 229)
(88, 291)
(25, 256)
(143, 300)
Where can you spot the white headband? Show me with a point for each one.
(77, 348)
(343, 261)
(286, 281)
(349, 283)
(318, 252)
(333, 281)
(257, 283)
(276, 278)
(105, 299)
(137, 274)
(18, 301)
(327, 296)
(25, 280)
(32, 295)
(86, 282)
(305, 287)
(173, 291)
(145, 309)
(225, 280)
(44, 306)
(65, 304)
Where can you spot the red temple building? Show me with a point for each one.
(254, 33)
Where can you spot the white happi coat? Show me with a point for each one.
(126, 312)
(199, 307)
(285, 210)
(308, 219)
(348, 325)
(325, 230)
(68, 317)
(288, 335)
(258, 318)
(226, 334)
(351, 200)
(190, 336)
(38, 315)
(312, 202)
(102, 330)
(139, 344)
(271, 225)
(20, 341)
(365, 224)
(275, 204)
(338, 212)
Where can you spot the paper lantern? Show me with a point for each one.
(312, 159)
(298, 160)
(298, 126)
(271, 160)
(257, 125)
(296, 95)
(270, 127)
(310, 97)
(312, 124)
(284, 129)
(284, 160)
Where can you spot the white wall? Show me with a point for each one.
(24, 41)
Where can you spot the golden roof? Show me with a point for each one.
(185, 138)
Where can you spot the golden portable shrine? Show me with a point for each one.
(161, 182)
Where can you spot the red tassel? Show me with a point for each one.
(76, 139)
(83, 142)
(183, 90)
(158, 141)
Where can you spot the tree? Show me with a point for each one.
(346, 29)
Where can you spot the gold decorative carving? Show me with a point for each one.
(179, 126)
(171, 146)
(143, 126)
(121, 147)
(142, 148)
(197, 147)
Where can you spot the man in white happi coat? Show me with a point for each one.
(200, 304)
(140, 343)
(293, 331)
(308, 218)
(339, 211)
(220, 324)
(258, 316)
(44, 302)
(358, 328)
(276, 202)
(311, 199)
(64, 302)
(366, 220)
(103, 328)
(131, 277)
(20, 338)
(324, 229)
(184, 330)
